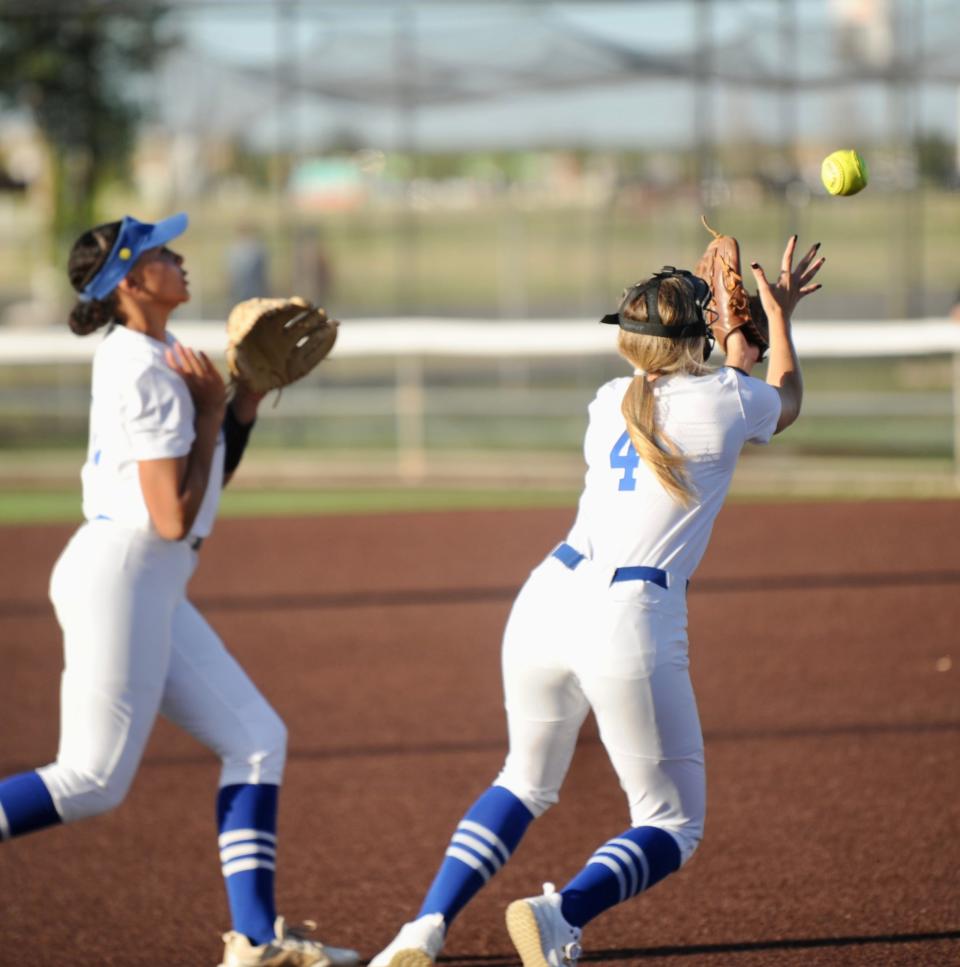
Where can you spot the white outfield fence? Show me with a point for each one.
(406, 392)
(504, 339)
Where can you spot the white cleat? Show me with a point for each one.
(289, 948)
(416, 945)
(539, 932)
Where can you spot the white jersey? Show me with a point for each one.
(625, 516)
(140, 410)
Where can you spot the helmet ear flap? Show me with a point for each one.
(709, 342)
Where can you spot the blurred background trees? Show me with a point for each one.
(75, 70)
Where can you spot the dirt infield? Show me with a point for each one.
(824, 649)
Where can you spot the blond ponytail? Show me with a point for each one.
(656, 355)
(655, 449)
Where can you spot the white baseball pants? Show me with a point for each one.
(135, 646)
(573, 642)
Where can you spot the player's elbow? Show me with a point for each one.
(172, 533)
(791, 399)
(788, 416)
(171, 512)
(171, 526)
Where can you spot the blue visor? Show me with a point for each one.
(132, 241)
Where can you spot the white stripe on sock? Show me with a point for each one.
(473, 843)
(615, 866)
(247, 849)
(627, 844)
(234, 835)
(4, 825)
(241, 866)
(644, 864)
(492, 838)
(472, 861)
(626, 861)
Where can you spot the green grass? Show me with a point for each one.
(39, 507)
(762, 478)
(57, 506)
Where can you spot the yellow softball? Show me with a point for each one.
(844, 172)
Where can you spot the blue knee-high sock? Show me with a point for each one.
(25, 805)
(247, 820)
(623, 867)
(485, 839)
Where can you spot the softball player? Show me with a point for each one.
(601, 623)
(162, 442)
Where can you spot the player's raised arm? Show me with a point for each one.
(779, 301)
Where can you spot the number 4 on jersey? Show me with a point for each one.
(624, 457)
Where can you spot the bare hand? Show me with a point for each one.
(202, 378)
(792, 284)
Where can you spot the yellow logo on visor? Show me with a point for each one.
(124, 253)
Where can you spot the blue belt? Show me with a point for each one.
(570, 557)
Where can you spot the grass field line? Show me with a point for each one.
(46, 488)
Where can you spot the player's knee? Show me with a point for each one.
(262, 755)
(268, 748)
(683, 821)
(80, 795)
(276, 744)
(111, 795)
(679, 809)
(688, 836)
(537, 799)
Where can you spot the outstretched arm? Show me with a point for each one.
(779, 301)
